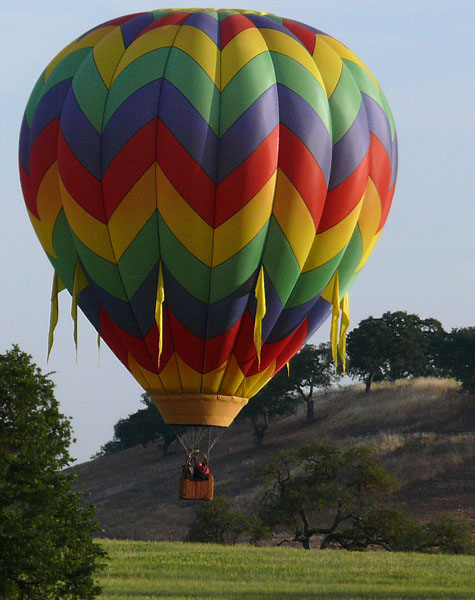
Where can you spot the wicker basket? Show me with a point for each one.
(196, 490)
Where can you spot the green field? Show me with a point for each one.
(146, 570)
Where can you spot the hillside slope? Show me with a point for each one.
(424, 430)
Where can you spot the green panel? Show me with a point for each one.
(363, 80)
(312, 283)
(298, 79)
(344, 103)
(90, 92)
(279, 262)
(275, 18)
(232, 274)
(103, 272)
(145, 69)
(190, 272)
(245, 87)
(350, 261)
(66, 69)
(194, 83)
(33, 99)
(66, 251)
(140, 257)
(389, 114)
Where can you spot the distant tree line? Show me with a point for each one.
(395, 346)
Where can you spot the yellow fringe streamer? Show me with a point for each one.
(260, 293)
(288, 369)
(98, 350)
(58, 286)
(345, 323)
(335, 318)
(159, 311)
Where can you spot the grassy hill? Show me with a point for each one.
(424, 430)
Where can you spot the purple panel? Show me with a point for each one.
(90, 306)
(119, 311)
(48, 108)
(138, 110)
(350, 150)
(143, 302)
(394, 160)
(207, 24)
(299, 117)
(248, 132)
(262, 22)
(82, 138)
(319, 313)
(189, 127)
(378, 122)
(289, 320)
(132, 28)
(273, 306)
(24, 152)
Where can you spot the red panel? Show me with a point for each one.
(184, 173)
(245, 181)
(80, 183)
(380, 172)
(42, 156)
(231, 26)
(189, 346)
(111, 337)
(295, 341)
(175, 18)
(244, 349)
(30, 198)
(219, 349)
(306, 36)
(303, 171)
(128, 166)
(342, 199)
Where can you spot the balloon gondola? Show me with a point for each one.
(207, 185)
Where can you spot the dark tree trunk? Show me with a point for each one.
(369, 381)
(259, 433)
(310, 410)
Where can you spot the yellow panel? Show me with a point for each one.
(148, 380)
(241, 228)
(241, 49)
(211, 382)
(252, 384)
(278, 41)
(201, 49)
(87, 41)
(152, 40)
(368, 221)
(328, 62)
(294, 218)
(345, 52)
(199, 409)
(232, 378)
(170, 377)
(190, 379)
(132, 213)
(89, 230)
(48, 203)
(192, 231)
(327, 244)
(107, 54)
(327, 293)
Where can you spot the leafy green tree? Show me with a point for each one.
(456, 356)
(317, 489)
(311, 369)
(273, 400)
(46, 546)
(144, 426)
(217, 522)
(395, 346)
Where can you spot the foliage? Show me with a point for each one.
(317, 488)
(273, 400)
(450, 534)
(216, 522)
(397, 345)
(139, 570)
(144, 426)
(310, 369)
(456, 356)
(46, 545)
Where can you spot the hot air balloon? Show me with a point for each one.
(207, 185)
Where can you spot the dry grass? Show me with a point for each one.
(422, 428)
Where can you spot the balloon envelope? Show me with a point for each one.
(199, 179)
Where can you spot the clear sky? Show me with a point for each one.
(421, 52)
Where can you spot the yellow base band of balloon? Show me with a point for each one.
(199, 409)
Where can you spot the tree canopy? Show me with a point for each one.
(46, 545)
